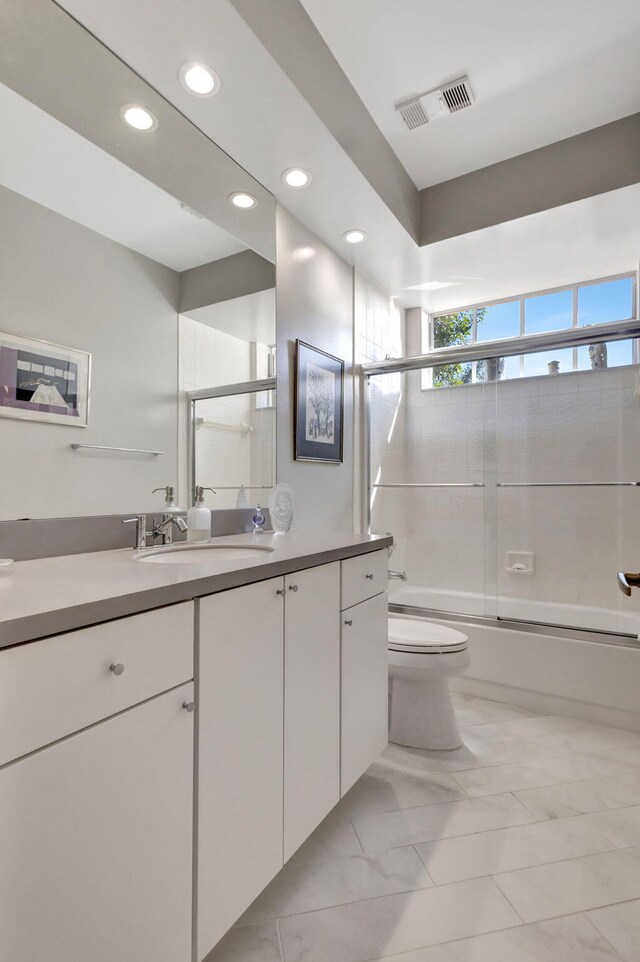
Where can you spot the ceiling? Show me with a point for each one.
(58, 168)
(540, 72)
(260, 118)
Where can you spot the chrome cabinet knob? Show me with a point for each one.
(117, 668)
(369, 577)
(349, 623)
(188, 706)
(280, 592)
(293, 587)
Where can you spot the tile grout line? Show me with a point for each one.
(280, 945)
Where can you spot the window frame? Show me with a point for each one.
(431, 316)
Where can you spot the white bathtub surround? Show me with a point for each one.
(542, 875)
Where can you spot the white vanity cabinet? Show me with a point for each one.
(240, 716)
(365, 668)
(311, 701)
(268, 734)
(96, 828)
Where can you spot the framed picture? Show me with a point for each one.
(319, 405)
(43, 382)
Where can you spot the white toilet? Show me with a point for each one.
(422, 657)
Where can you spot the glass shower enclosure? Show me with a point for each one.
(512, 487)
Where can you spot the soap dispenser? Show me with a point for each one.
(199, 518)
(169, 497)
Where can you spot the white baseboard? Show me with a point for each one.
(546, 704)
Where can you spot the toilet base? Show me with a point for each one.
(422, 714)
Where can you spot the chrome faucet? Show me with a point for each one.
(397, 575)
(165, 530)
(162, 530)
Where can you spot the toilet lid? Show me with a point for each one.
(417, 635)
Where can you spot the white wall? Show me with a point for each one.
(314, 295)
(64, 283)
(379, 330)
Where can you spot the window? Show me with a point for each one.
(593, 302)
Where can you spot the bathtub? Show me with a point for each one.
(550, 670)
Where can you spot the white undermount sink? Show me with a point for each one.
(181, 554)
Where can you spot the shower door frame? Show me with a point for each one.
(460, 354)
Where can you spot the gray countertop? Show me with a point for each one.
(51, 595)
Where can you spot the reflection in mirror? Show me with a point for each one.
(112, 250)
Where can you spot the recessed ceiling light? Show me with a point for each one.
(243, 200)
(199, 79)
(354, 236)
(138, 117)
(296, 177)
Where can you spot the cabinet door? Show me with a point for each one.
(312, 701)
(365, 675)
(96, 842)
(240, 730)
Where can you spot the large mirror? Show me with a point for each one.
(135, 296)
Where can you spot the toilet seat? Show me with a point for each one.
(424, 637)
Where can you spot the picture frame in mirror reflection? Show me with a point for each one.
(319, 405)
(40, 381)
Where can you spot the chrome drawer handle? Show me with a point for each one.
(369, 577)
(293, 587)
(117, 668)
(280, 592)
(348, 623)
(188, 706)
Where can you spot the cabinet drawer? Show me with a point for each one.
(53, 687)
(364, 576)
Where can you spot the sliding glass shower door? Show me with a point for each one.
(512, 482)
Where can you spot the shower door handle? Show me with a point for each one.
(628, 580)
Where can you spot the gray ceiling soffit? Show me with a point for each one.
(285, 29)
(600, 160)
(54, 62)
(225, 279)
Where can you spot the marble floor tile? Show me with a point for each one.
(588, 742)
(629, 756)
(576, 798)
(622, 826)
(539, 772)
(536, 725)
(444, 820)
(570, 939)
(305, 888)
(506, 849)
(477, 711)
(620, 925)
(334, 837)
(255, 943)
(397, 923)
(574, 886)
(386, 787)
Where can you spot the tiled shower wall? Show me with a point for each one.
(580, 427)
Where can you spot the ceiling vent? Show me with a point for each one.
(457, 95)
(447, 99)
(413, 113)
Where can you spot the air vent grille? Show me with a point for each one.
(458, 95)
(413, 113)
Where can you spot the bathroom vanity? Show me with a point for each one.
(175, 734)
